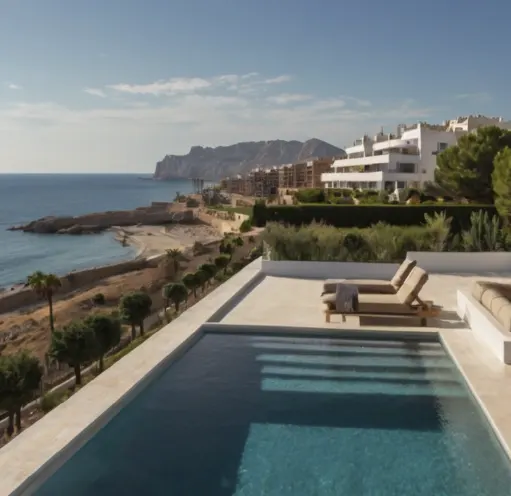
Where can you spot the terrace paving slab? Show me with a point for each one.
(288, 301)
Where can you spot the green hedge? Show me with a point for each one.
(365, 215)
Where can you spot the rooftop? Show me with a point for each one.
(250, 299)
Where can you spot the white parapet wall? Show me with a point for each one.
(328, 270)
(484, 326)
(462, 262)
(433, 262)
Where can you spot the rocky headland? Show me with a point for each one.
(153, 215)
(222, 161)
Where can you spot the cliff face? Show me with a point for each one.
(223, 161)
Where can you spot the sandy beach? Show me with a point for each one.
(155, 240)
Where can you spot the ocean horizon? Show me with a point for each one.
(27, 197)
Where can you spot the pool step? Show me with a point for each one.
(351, 349)
(420, 363)
(329, 386)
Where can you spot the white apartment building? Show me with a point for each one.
(401, 160)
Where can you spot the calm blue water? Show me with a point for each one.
(251, 416)
(27, 197)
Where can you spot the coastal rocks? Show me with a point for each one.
(154, 215)
(77, 229)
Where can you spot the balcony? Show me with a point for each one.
(352, 176)
(354, 149)
(387, 158)
(394, 143)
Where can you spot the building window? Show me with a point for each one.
(406, 168)
(441, 146)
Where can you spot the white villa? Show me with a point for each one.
(406, 159)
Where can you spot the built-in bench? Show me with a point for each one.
(487, 310)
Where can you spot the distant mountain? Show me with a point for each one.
(222, 161)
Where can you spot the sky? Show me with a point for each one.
(115, 85)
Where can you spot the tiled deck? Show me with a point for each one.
(285, 301)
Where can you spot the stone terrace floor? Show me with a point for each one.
(287, 301)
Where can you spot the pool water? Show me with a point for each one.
(242, 415)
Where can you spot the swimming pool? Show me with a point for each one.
(247, 415)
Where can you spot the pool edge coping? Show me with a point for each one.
(454, 355)
(35, 454)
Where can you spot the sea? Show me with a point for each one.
(26, 197)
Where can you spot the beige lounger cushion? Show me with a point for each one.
(380, 286)
(478, 288)
(402, 273)
(374, 303)
(363, 285)
(496, 299)
(401, 302)
(412, 286)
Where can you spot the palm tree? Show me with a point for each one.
(75, 345)
(176, 293)
(134, 308)
(202, 278)
(45, 285)
(209, 269)
(174, 256)
(107, 331)
(192, 283)
(222, 262)
(20, 378)
(227, 247)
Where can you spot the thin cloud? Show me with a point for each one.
(287, 98)
(482, 96)
(245, 83)
(95, 92)
(169, 87)
(278, 80)
(357, 101)
(13, 86)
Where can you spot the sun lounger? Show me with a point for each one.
(405, 303)
(379, 286)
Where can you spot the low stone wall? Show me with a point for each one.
(222, 220)
(72, 281)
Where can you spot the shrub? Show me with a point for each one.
(259, 211)
(246, 226)
(485, 234)
(317, 242)
(251, 239)
(192, 203)
(98, 299)
(362, 216)
(237, 266)
(311, 195)
(256, 252)
(53, 399)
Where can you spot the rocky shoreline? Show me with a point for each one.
(154, 215)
